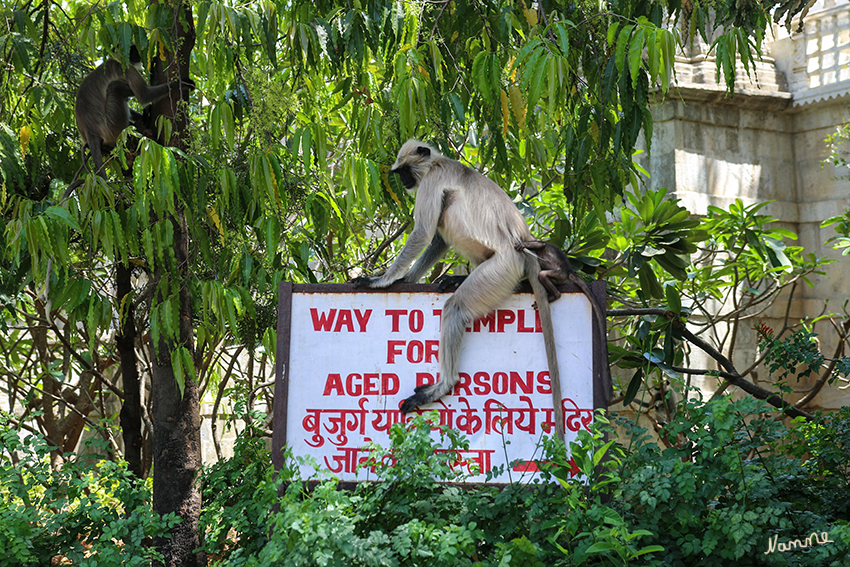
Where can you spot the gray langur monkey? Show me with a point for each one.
(555, 269)
(460, 208)
(101, 106)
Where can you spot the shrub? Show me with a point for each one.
(90, 514)
(727, 484)
(418, 512)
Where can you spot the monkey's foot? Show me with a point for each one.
(419, 398)
(445, 282)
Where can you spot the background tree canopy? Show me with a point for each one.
(275, 168)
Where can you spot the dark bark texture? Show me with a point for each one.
(176, 417)
(131, 410)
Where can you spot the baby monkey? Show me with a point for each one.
(555, 269)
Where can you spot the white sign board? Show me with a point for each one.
(353, 357)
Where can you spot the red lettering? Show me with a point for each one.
(482, 383)
(350, 388)
(416, 320)
(370, 385)
(527, 387)
(344, 318)
(521, 328)
(438, 313)
(537, 327)
(396, 314)
(324, 321)
(362, 318)
(500, 383)
(489, 320)
(389, 384)
(393, 350)
(432, 351)
(425, 378)
(462, 385)
(366, 385)
(544, 383)
(505, 317)
(333, 384)
(415, 351)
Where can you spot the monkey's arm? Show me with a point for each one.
(147, 94)
(431, 256)
(426, 214)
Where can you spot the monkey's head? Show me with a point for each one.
(414, 161)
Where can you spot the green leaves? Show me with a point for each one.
(183, 367)
(797, 354)
(48, 512)
(486, 72)
(742, 229)
(661, 232)
(644, 46)
(732, 47)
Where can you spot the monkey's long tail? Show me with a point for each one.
(602, 327)
(532, 271)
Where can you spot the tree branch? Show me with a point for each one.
(370, 260)
(736, 379)
(730, 374)
(109, 385)
(839, 349)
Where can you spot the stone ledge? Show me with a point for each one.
(750, 99)
(827, 93)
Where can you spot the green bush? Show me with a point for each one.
(730, 481)
(91, 514)
(418, 512)
(825, 446)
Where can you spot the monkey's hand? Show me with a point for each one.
(372, 282)
(445, 282)
(528, 246)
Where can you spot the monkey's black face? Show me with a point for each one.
(407, 178)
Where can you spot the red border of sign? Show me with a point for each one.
(601, 392)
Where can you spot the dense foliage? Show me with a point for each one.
(729, 479)
(716, 497)
(91, 512)
(281, 174)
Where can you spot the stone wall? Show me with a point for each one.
(766, 142)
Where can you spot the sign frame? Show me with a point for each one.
(602, 391)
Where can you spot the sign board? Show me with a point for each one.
(347, 357)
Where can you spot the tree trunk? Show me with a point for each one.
(176, 433)
(131, 410)
(176, 417)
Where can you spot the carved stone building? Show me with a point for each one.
(767, 142)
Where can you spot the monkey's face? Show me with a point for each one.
(407, 178)
(414, 160)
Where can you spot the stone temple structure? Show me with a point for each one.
(766, 142)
